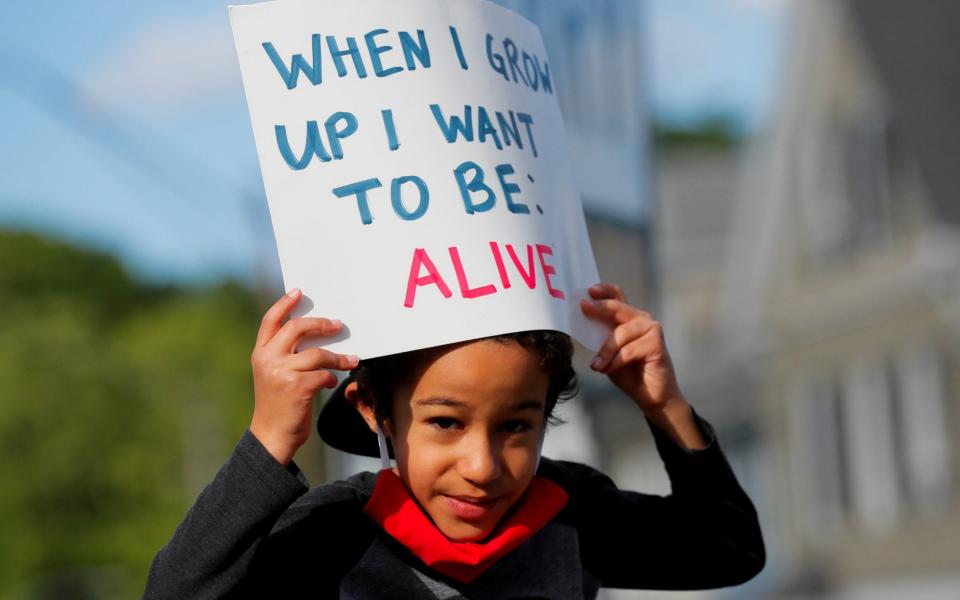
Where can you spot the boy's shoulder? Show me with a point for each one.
(339, 502)
(354, 489)
(327, 526)
(572, 475)
(592, 497)
(585, 485)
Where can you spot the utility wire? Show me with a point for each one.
(44, 86)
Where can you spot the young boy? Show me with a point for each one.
(470, 510)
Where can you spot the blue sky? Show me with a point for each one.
(720, 56)
(125, 127)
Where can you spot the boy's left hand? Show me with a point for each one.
(635, 355)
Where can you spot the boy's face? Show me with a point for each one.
(466, 432)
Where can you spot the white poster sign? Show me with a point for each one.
(416, 170)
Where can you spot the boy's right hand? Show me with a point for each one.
(285, 381)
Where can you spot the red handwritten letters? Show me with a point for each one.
(523, 263)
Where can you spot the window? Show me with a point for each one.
(923, 427)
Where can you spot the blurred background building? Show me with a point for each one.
(801, 252)
(811, 304)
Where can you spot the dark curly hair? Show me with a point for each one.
(377, 378)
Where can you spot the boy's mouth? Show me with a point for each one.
(472, 508)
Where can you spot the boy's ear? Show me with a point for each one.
(362, 403)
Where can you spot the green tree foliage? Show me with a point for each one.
(716, 133)
(118, 402)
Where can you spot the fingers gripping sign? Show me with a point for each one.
(635, 355)
(285, 381)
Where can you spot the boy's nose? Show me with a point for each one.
(479, 463)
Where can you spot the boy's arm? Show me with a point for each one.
(704, 535)
(214, 548)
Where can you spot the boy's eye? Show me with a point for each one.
(517, 426)
(444, 423)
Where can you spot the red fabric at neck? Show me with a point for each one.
(392, 507)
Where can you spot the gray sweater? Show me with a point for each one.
(258, 531)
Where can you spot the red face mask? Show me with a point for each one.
(397, 513)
